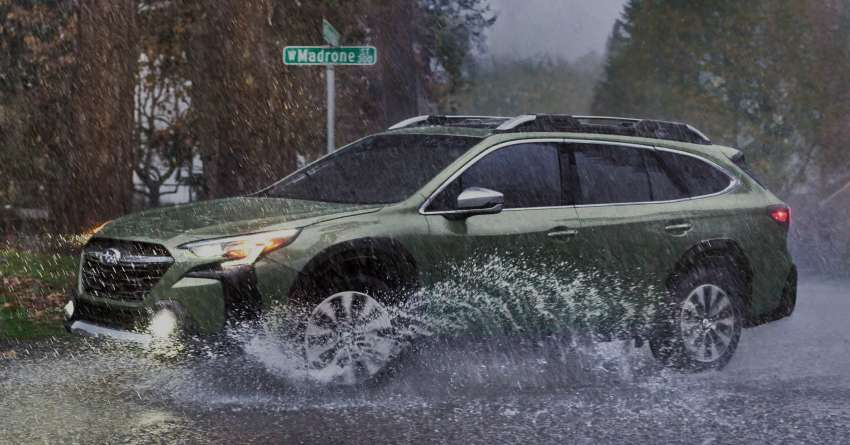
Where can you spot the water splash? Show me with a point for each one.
(557, 310)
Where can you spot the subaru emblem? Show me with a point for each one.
(110, 256)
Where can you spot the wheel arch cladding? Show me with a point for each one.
(726, 250)
(385, 257)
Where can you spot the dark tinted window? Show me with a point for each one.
(527, 174)
(610, 174)
(676, 176)
(377, 170)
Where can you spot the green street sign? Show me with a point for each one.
(323, 55)
(329, 33)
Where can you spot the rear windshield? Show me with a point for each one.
(381, 169)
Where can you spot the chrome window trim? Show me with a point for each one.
(734, 182)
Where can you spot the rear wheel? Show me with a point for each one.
(702, 327)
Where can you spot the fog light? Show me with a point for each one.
(163, 324)
(69, 309)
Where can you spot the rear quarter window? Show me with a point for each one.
(679, 176)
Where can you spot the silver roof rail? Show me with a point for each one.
(608, 118)
(515, 122)
(409, 122)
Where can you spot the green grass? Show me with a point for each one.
(45, 274)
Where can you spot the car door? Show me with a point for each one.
(640, 206)
(623, 242)
(535, 228)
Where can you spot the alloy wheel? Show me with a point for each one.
(708, 323)
(348, 339)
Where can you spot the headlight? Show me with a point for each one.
(243, 249)
(93, 231)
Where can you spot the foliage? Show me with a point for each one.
(93, 92)
(32, 292)
(36, 52)
(449, 32)
(764, 75)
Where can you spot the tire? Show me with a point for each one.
(348, 331)
(701, 329)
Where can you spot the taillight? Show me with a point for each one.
(780, 214)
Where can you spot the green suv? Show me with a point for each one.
(355, 233)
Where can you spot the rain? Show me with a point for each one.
(424, 221)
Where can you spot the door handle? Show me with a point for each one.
(562, 233)
(679, 228)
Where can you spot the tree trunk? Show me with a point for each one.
(238, 98)
(95, 166)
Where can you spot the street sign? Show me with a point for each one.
(329, 33)
(330, 56)
(323, 55)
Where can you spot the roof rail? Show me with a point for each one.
(623, 126)
(456, 121)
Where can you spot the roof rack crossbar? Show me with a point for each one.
(410, 121)
(512, 123)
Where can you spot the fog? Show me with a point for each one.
(556, 28)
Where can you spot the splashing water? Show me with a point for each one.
(513, 304)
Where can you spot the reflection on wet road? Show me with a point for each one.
(790, 381)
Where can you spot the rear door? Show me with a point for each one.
(642, 208)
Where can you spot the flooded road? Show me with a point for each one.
(789, 382)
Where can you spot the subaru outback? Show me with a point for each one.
(350, 235)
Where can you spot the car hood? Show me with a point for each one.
(225, 217)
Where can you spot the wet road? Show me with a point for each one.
(789, 382)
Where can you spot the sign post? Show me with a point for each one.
(329, 56)
(329, 33)
(331, 36)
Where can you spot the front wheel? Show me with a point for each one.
(702, 328)
(349, 339)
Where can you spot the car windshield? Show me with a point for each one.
(380, 169)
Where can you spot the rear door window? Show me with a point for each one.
(610, 174)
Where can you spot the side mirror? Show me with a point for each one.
(478, 201)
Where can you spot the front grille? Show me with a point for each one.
(123, 270)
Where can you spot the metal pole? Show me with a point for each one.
(331, 87)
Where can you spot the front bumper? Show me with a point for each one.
(92, 330)
(205, 296)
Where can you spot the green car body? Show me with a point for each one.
(654, 240)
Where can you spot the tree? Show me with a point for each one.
(761, 75)
(163, 137)
(255, 117)
(70, 98)
(36, 54)
(98, 165)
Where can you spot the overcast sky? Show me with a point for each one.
(565, 28)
